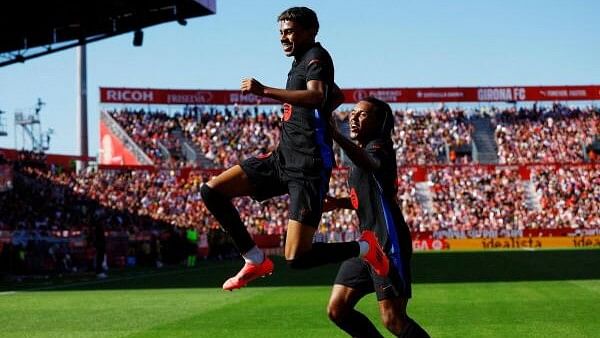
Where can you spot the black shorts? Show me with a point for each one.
(269, 180)
(357, 274)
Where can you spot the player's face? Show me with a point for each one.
(363, 122)
(294, 38)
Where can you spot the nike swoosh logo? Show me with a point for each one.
(385, 287)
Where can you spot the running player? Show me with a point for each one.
(372, 183)
(300, 166)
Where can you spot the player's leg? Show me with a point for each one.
(395, 319)
(232, 182)
(255, 177)
(302, 253)
(393, 292)
(298, 239)
(351, 284)
(217, 194)
(305, 216)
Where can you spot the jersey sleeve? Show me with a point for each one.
(318, 67)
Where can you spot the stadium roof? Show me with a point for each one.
(35, 28)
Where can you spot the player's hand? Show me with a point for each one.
(329, 203)
(252, 86)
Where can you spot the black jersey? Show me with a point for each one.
(373, 195)
(305, 146)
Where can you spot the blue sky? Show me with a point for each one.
(384, 43)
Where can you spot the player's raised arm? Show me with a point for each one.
(357, 154)
(365, 126)
(311, 97)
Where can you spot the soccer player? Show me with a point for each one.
(372, 182)
(300, 166)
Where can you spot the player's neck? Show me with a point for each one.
(304, 49)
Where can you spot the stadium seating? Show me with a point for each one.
(546, 179)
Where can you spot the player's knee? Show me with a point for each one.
(393, 326)
(206, 192)
(393, 322)
(336, 312)
(209, 194)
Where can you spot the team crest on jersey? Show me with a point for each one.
(287, 111)
(354, 198)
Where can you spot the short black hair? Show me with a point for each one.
(304, 16)
(384, 114)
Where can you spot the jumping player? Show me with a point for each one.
(300, 166)
(372, 183)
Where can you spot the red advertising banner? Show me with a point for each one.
(477, 94)
(392, 95)
(179, 96)
(112, 151)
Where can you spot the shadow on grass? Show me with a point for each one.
(447, 267)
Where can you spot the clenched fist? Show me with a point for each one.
(252, 86)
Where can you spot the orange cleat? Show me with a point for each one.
(375, 257)
(249, 273)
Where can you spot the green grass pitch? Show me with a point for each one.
(464, 294)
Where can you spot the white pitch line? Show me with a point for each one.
(93, 281)
(103, 281)
(100, 281)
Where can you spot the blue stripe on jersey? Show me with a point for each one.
(393, 236)
(324, 148)
(326, 153)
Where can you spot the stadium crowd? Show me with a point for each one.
(153, 132)
(425, 136)
(224, 137)
(421, 137)
(546, 134)
(154, 207)
(164, 195)
(229, 137)
(570, 197)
